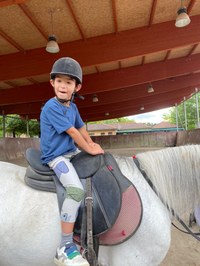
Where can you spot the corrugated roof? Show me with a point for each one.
(134, 125)
(127, 126)
(97, 127)
(164, 124)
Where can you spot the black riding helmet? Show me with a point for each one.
(67, 66)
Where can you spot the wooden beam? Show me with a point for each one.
(4, 3)
(127, 77)
(11, 41)
(120, 113)
(116, 113)
(69, 4)
(35, 108)
(32, 18)
(42, 92)
(129, 111)
(190, 6)
(143, 101)
(114, 16)
(115, 47)
(152, 14)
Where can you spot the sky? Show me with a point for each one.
(154, 117)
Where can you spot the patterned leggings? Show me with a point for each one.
(68, 177)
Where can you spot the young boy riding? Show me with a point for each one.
(62, 127)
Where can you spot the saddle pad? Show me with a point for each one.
(128, 221)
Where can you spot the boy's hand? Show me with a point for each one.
(95, 148)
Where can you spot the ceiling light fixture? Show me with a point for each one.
(142, 108)
(182, 19)
(52, 45)
(150, 88)
(95, 98)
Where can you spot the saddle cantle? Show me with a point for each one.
(112, 194)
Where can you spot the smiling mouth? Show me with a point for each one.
(63, 93)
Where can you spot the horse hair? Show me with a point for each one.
(175, 174)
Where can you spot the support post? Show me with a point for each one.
(4, 124)
(185, 112)
(27, 126)
(176, 117)
(197, 107)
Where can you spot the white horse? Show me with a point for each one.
(29, 219)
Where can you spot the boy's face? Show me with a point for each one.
(64, 86)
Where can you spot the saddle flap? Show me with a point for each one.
(86, 165)
(106, 194)
(33, 157)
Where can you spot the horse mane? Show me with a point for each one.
(175, 174)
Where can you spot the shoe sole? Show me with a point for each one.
(59, 263)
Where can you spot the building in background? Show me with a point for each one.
(128, 128)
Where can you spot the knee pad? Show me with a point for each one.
(75, 193)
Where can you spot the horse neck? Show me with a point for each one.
(175, 175)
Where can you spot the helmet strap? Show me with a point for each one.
(61, 100)
(66, 101)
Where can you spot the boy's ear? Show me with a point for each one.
(52, 82)
(78, 87)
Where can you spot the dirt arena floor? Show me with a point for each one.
(184, 249)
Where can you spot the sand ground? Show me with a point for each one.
(184, 249)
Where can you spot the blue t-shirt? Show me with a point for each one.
(55, 119)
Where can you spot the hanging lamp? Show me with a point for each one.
(150, 88)
(52, 45)
(95, 98)
(182, 19)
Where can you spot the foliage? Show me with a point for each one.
(34, 128)
(191, 112)
(17, 126)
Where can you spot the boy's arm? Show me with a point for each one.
(82, 143)
(85, 135)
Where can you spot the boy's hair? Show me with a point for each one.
(53, 76)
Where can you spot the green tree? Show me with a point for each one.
(34, 128)
(17, 126)
(191, 112)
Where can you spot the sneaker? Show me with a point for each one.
(69, 256)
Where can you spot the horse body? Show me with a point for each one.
(30, 224)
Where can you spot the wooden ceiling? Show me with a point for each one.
(122, 45)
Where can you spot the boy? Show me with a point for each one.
(62, 127)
